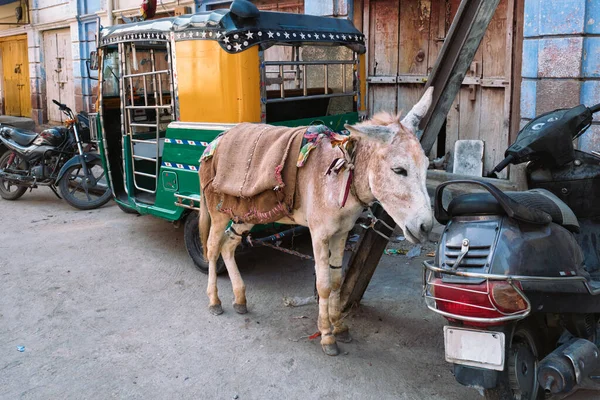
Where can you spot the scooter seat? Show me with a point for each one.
(540, 199)
(22, 137)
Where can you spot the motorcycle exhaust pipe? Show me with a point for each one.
(567, 366)
(15, 179)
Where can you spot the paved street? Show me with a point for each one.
(108, 305)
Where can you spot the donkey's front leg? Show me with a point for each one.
(321, 250)
(336, 248)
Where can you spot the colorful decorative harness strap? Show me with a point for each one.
(344, 165)
(314, 134)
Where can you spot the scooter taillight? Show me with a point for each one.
(490, 300)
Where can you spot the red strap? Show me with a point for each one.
(348, 185)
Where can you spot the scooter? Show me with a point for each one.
(517, 274)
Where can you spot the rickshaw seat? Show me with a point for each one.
(298, 108)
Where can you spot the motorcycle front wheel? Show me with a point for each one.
(8, 190)
(75, 187)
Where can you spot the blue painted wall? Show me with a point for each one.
(561, 59)
(87, 30)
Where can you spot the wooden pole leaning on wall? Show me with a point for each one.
(364, 260)
(460, 45)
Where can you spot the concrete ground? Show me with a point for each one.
(109, 305)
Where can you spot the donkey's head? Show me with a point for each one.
(397, 167)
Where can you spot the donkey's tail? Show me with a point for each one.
(204, 224)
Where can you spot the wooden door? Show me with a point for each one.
(15, 68)
(405, 38)
(58, 63)
(292, 6)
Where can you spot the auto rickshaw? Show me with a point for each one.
(168, 87)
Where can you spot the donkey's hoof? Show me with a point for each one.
(240, 308)
(216, 309)
(330, 349)
(344, 336)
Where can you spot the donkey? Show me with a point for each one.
(389, 166)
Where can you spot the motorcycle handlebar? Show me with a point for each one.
(504, 163)
(60, 105)
(63, 107)
(595, 109)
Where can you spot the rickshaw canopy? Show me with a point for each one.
(236, 33)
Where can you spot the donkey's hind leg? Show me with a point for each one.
(213, 250)
(336, 249)
(232, 241)
(320, 244)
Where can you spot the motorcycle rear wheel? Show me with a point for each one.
(79, 195)
(10, 191)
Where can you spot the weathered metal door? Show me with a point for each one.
(405, 37)
(15, 68)
(59, 72)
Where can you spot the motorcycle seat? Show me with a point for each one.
(22, 137)
(540, 199)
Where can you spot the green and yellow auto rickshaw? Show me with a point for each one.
(168, 87)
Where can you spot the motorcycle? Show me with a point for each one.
(517, 274)
(54, 157)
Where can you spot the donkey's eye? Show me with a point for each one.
(400, 171)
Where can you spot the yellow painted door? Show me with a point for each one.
(15, 65)
(12, 104)
(23, 78)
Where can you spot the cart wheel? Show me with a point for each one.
(191, 236)
(519, 381)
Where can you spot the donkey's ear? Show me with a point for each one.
(380, 133)
(414, 117)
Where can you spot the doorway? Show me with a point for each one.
(58, 62)
(15, 70)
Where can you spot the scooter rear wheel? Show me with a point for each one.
(519, 381)
(10, 191)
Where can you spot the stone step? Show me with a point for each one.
(18, 122)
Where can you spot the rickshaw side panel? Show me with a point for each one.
(184, 146)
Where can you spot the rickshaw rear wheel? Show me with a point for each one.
(191, 237)
(127, 210)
